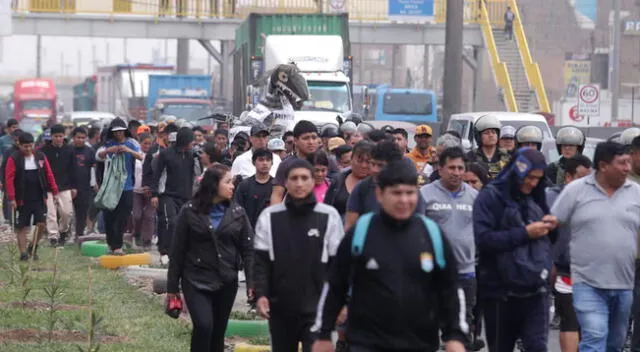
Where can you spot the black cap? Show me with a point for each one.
(259, 128)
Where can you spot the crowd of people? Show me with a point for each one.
(345, 229)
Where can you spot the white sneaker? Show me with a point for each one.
(164, 260)
(241, 276)
(154, 240)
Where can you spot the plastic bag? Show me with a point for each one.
(112, 186)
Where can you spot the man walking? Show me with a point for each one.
(401, 276)
(602, 212)
(243, 164)
(449, 202)
(85, 160)
(61, 157)
(509, 17)
(254, 193)
(174, 172)
(294, 244)
(514, 233)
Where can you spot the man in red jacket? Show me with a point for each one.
(28, 178)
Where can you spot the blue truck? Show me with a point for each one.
(186, 97)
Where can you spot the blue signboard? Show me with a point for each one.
(411, 8)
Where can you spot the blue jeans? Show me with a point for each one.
(603, 316)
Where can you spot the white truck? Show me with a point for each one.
(320, 59)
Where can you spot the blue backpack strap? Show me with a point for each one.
(360, 233)
(436, 240)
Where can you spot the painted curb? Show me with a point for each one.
(247, 328)
(243, 347)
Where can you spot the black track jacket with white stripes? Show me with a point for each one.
(293, 244)
(400, 298)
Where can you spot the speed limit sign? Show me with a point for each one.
(589, 100)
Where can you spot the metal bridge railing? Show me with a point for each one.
(359, 10)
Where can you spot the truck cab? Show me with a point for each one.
(35, 99)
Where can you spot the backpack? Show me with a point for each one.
(362, 228)
(112, 186)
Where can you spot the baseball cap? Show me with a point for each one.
(276, 144)
(335, 142)
(424, 129)
(258, 128)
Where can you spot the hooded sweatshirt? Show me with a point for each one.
(175, 171)
(454, 213)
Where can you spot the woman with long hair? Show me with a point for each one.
(213, 238)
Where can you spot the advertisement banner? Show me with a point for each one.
(577, 71)
(5, 18)
(411, 9)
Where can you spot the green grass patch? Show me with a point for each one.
(137, 318)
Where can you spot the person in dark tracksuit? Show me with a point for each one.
(213, 238)
(514, 233)
(403, 281)
(85, 158)
(294, 243)
(575, 168)
(7, 152)
(172, 185)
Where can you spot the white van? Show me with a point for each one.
(463, 123)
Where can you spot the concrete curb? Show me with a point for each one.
(243, 347)
(142, 271)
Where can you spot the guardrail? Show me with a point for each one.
(531, 68)
(499, 68)
(359, 10)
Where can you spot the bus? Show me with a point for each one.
(403, 104)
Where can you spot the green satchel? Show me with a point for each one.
(113, 184)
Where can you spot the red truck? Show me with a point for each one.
(35, 99)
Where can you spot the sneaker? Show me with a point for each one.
(164, 260)
(154, 240)
(24, 257)
(63, 238)
(53, 242)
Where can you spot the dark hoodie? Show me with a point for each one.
(175, 170)
(510, 262)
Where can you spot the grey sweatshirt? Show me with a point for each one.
(454, 215)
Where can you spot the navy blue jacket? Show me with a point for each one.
(500, 215)
(561, 252)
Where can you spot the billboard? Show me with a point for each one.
(411, 9)
(577, 71)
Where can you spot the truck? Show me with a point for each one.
(35, 99)
(403, 104)
(123, 89)
(317, 43)
(186, 97)
(84, 95)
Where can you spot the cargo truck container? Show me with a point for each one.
(318, 43)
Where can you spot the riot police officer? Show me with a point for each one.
(569, 141)
(529, 136)
(486, 134)
(507, 138)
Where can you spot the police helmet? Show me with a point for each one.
(629, 134)
(365, 128)
(507, 132)
(615, 137)
(484, 123)
(529, 134)
(570, 136)
(348, 127)
(329, 131)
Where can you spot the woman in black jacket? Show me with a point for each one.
(213, 238)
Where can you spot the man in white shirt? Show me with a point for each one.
(243, 164)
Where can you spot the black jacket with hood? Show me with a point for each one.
(210, 258)
(176, 168)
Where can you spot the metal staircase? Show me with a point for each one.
(510, 55)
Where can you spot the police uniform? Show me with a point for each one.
(499, 160)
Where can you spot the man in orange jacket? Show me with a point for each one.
(421, 153)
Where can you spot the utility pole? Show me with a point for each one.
(93, 58)
(124, 49)
(107, 53)
(38, 56)
(615, 65)
(452, 87)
